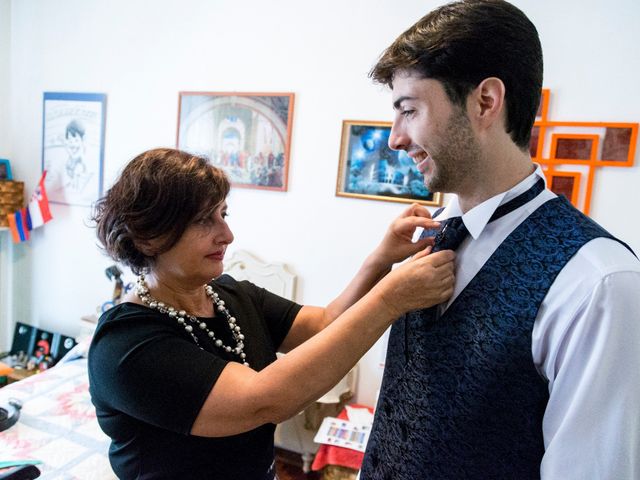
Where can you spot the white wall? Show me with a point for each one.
(5, 49)
(141, 54)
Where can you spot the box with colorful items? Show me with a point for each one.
(33, 350)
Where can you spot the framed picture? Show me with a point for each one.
(370, 169)
(73, 126)
(5, 169)
(565, 183)
(246, 134)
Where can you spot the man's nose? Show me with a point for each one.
(398, 139)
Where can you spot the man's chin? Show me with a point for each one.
(431, 183)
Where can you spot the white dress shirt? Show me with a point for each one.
(586, 343)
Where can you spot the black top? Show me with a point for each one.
(148, 380)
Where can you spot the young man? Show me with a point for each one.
(532, 368)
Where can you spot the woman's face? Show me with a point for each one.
(197, 257)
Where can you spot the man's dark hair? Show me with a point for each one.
(462, 43)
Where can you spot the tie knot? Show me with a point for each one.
(451, 235)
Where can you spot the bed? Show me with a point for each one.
(57, 424)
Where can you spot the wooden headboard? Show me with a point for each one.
(274, 277)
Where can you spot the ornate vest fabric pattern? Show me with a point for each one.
(461, 397)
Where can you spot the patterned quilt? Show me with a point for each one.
(57, 425)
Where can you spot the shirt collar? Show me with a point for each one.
(477, 218)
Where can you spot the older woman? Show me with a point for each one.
(183, 373)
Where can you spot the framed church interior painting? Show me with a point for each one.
(73, 128)
(248, 135)
(370, 169)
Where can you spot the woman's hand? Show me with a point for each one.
(397, 243)
(426, 280)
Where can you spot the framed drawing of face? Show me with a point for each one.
(73, 129)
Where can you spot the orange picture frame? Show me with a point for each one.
(585, 146)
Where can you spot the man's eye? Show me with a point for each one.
(407, 113)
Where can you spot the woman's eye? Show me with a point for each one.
(210, 220)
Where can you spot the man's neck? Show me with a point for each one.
(501, 174)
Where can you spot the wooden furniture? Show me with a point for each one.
(11, 199)
(20, 374)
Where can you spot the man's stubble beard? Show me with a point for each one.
(457, 159)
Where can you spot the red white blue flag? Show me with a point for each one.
(38, 208)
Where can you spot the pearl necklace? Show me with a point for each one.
(142, 291)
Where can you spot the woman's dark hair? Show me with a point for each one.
(157, 196)
(462, 43)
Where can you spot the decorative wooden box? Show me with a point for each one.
(11, 199)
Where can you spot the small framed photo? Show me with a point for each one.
(370, 169)
(565, 183)
(248, 135)
(5, 169)
(73, 127)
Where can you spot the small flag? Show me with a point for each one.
(24, 215)
(18, 226)
(38, 210)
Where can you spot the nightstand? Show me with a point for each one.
(20, 374)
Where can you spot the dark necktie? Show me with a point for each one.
(451, 235)
(453, 231)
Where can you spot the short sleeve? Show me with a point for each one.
(139, 366)
(278, 313)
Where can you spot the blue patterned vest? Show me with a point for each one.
(461, 398)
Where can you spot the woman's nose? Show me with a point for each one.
(226, 235)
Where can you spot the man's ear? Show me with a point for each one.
(487, 102)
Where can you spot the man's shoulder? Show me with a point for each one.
(604, 256)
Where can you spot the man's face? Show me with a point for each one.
(436, 134)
